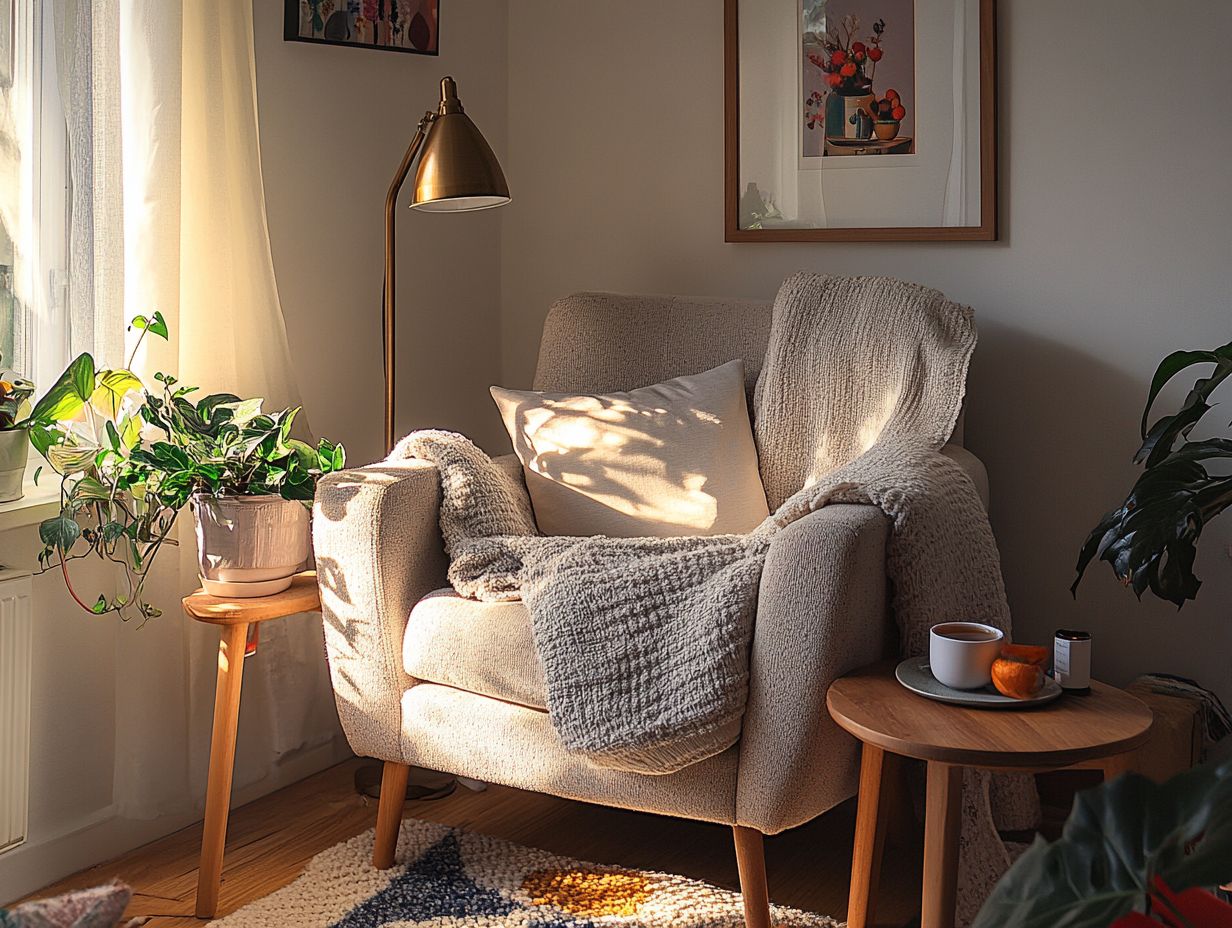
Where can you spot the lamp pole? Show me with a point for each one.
(387, 324)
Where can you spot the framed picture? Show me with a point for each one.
(860, 120)
(392, 25)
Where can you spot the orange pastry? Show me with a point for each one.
(1019, 671)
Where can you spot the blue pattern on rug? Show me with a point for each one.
(434, 886)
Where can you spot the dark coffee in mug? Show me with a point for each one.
(968, 636)
(964, 633)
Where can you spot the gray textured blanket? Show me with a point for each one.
(645, 641)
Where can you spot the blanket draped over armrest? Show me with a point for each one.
(645, 641)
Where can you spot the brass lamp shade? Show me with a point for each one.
(457, 169)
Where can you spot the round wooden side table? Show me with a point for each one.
(234, 617)
(1100, 729)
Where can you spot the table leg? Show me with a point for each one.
(1117, 764)
(869, 838)
(222, 765)
(942, 820)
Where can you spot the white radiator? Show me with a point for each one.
(15, 634)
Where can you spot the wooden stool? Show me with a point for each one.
(1100, 728)
(234, 617)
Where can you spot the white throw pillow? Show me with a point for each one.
(670, 460)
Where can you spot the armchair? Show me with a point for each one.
(424, 677)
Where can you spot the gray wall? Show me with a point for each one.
(1116, 248)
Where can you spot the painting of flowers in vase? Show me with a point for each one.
(858, 77)
(392, 25)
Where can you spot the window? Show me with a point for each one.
(35, 196)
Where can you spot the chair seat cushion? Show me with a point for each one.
(483, 648)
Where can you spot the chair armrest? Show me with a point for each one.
(378, 548)
(822, 612)
(973, 467)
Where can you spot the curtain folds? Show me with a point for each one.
(167, 158)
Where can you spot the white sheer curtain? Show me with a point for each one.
(167, 147)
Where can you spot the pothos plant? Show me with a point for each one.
(1150, 539)
(130, 458)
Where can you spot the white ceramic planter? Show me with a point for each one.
(14, 450)
(249, 545)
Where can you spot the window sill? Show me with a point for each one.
(39, 503)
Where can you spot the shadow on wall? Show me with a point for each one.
(1058, 428)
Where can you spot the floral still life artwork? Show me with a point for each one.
(858, 63)
(392, 25)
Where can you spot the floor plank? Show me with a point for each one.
(271, 839)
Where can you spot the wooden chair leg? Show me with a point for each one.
(942, 820)
(751, 862)
(869, 838)
(389, 813)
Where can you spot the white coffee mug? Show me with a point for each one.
(961, 654)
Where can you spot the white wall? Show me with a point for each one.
(1116, 248)
(334, 125)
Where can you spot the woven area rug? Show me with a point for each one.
(447, 878)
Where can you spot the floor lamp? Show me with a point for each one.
(457, 173)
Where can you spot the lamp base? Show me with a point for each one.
(423, 784)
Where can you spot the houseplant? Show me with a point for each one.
(1133, 854)
(1150, 539)
(15, 393)
(130, 459)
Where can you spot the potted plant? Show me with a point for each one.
(1133, 854)
(15, 393)
(130, 459)
(1150, 539)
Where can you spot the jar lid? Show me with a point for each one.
(1070, 634)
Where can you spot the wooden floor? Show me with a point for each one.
(271, 839)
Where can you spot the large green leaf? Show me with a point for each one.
(112, 387)
(1150, 540)
(243, 411)
(60, 532)
(1118, 838)
(1173, 364)
(1160, 439)
(72, 458)
(88, 489)
(69, 394)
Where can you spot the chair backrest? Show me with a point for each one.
(604, 342)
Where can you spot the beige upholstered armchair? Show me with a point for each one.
(424, 677)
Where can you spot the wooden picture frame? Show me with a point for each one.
(985, 229)
(397, 27)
